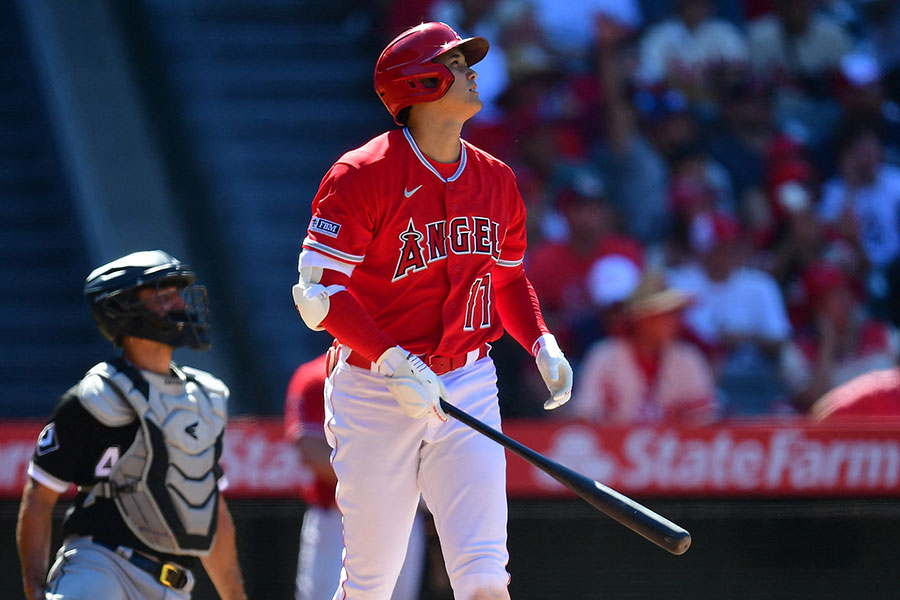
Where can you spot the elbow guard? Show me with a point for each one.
(312, 298)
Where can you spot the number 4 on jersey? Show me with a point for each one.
(479, 304)
(107, 461)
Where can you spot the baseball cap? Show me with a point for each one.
(612, 279)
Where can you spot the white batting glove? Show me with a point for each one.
(555, 370)
(417, 389)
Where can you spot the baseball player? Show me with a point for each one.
(413, 261)
(141, 438)
(321, 544)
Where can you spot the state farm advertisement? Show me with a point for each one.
(788, 460)
(783, 459)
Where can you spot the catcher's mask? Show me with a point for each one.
(112, 293)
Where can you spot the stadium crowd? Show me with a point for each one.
(746, 153)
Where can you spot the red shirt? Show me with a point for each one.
(304, 415)
(559, 274)
(423, 246)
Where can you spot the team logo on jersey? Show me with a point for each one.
(412, 258)
(324, 226)
(461, 235)
(47, 440)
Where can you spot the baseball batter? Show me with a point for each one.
(413, 261)
(141, 437)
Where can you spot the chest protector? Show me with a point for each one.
(165, 485)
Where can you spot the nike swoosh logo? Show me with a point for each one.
(409, 193)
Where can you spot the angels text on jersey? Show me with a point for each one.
(462, 235)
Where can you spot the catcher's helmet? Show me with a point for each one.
(405, 74)
(111, 291)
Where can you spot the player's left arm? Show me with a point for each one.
(520, 312)
(518, 305)
(221, 563)
(33, 531)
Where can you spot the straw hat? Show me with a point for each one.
(652, 297)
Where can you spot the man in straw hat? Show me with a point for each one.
(646, 374)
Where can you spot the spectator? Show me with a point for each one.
(860, 94)
(841, 341)
(642, 131)
(647, 375)
(321, 540)
(572, 32)
(561, 267)
(698, 183)
(682, 51)
(800, 50)
(738, 314)
(743, 132)
(861, 205)
(797, 45)
(875, 394)
(791, 238)
(882, 18)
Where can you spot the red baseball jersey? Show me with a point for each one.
(423, 245)
(304, 415)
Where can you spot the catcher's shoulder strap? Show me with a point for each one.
(105, 392)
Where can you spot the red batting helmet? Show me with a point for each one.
(405, 74)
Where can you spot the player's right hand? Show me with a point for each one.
(417, 389)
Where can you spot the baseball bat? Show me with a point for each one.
(640, 519)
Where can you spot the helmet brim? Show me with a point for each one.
(473, 48)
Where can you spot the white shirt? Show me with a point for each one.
(814, 51)
(749, 302)
(876, 209)
(671, 42)
(571, 25)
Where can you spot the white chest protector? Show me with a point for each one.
(165, 484)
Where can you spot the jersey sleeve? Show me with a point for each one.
(69, 445)
(304, 407)
(517, 304)
(342, 223)
(512, 252)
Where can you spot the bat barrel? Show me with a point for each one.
(640, 519)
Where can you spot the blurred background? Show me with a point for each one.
(746, 152)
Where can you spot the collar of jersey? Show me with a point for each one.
(428, 165)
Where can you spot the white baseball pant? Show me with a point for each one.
(384, 459)
(321, 545)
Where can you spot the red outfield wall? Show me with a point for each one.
(785, 459)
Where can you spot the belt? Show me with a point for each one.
(167, 573)
(439, 364)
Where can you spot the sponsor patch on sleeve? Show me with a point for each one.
(324, 226)
(47, 441)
